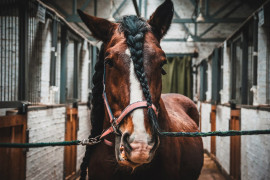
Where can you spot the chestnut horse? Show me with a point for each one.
(129, 72)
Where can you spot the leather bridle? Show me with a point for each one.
(115, 121)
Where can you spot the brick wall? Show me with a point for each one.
(255, 150)
(206, 126)
(84, 131)
(45, 126)
(223, 143)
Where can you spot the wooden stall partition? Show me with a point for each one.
(235, 147)
(213, 128)
(13, 160)
(71, 151)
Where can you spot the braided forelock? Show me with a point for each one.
(134, 29)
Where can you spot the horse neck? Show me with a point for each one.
(163, 117)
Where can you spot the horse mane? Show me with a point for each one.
(134, 29)
(97, 111)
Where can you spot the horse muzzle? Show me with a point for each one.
(134, 153)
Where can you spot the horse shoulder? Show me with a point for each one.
(179, 104)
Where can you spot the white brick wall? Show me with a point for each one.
(45, 126)
(206, 126)
(255, 150)
(83, 133)
(223, 143)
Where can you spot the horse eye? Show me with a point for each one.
(109, 62)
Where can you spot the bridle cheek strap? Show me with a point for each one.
(116, 121)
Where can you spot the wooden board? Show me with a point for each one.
(13, 160)
(213, 128)
(71, 151)
(235, 147)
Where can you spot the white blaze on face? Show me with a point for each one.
(136, 94)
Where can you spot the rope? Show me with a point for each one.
(169, 134)
(215, 133)
(37, 145)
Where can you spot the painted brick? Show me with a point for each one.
(83, 133)
(223, 143)
(255, 150)
(205, 124)
(46, 126)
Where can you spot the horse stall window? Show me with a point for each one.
(72, 74)
(236, 70)
(216, 74)
(203, 80)
(9, 53)
(244, 65)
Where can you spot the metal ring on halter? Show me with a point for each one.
(116, 128)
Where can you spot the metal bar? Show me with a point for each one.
(1, 55)
(95, 7)
(145, 8)
(206, 8)
(75, 70)
(181, 54)
(120, 6)
(23, 47)
(74, 7)
(53, 51)
(255, 49)
(210, 20)
(9, 55)
(226, 15)
(244, 83)
(12, 104)
(5, 57)
(185, 27)
(16, 52)
(64, 44)
(196, 29)
(140, 6)
(85, 4)
(197, 39)
(136, 7)
(221, 9)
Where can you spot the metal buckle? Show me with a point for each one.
(116, 128)
(90, 141)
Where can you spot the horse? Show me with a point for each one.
(129, 112)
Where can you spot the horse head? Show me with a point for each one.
(133, 61)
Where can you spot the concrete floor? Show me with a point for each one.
(210, 170)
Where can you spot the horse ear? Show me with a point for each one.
(101, 29)
(161, 19)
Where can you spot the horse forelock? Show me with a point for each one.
(134, 29)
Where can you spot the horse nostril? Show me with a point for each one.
(125, 142)
(154, 142)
